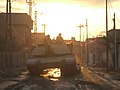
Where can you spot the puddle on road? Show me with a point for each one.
(52, 74)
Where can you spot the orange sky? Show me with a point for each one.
(65, 15)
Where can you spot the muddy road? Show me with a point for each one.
(52, 80)
(63, 84)
(86, 80)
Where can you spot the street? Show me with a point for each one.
(51, 79)
(59, 45)
(87, 80)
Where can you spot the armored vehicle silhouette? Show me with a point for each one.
(52, 55)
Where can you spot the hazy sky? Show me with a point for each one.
(65, 15)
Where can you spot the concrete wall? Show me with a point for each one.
(99, 59)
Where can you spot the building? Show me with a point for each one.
(96, 51)
(37, 38)
(114, 42)
(21, 25)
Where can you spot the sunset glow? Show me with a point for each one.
(64, 16)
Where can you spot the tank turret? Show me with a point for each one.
(52, 55)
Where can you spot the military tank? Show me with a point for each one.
(52, 55)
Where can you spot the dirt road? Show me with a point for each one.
(86, 80)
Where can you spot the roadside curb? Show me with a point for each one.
(106, 76)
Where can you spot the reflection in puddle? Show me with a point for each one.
(52, 74)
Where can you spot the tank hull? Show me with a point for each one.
(66, 63)
(52, 55)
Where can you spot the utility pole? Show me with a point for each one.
(107, 37)
(35, 27)
(114, 25)
(7, 8)
(80, 30)
(10, 32)
(44, 25)
(9, 35)
(87, 51)
(115, 44)
(80, 41)
(30, 3)
(35, 20)
(6, 36)
(83, 36)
